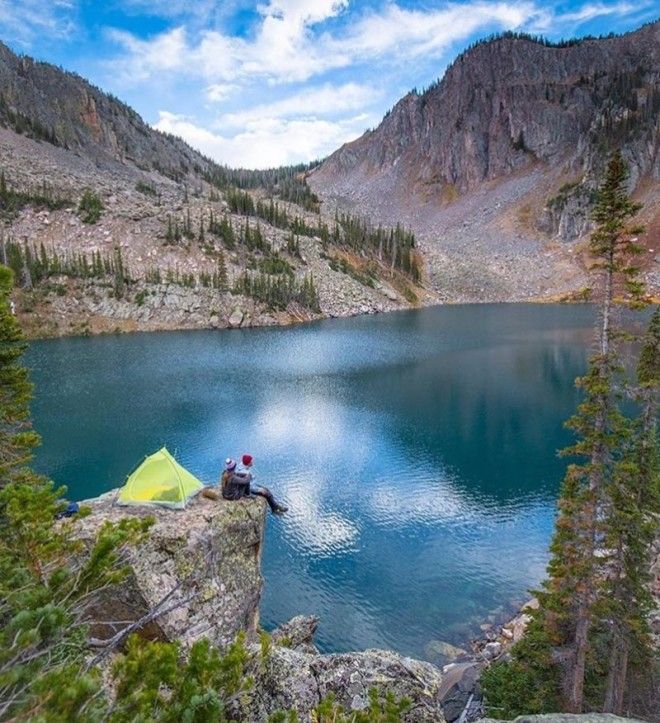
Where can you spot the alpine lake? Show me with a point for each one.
(417, 452)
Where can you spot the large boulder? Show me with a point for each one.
(297, 634)
(289, 679)
(201, 564)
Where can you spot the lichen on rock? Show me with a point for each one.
(206, 558)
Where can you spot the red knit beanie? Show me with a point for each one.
(247, 459)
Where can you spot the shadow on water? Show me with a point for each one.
(416, 451)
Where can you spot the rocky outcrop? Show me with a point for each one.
(506, 104)
(47, 103)
(290, 679)
(498, 161)
(203, 562)
(201, 565)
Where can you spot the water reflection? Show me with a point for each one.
(416, 451)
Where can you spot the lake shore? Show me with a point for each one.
(58, 318)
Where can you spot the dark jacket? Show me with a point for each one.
(235, 486)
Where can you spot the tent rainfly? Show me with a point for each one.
(159, 480)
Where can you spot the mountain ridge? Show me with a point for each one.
(518, 132)
(178, 241)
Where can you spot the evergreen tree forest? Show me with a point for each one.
(394, 247)
(588, 647)
(42, 196)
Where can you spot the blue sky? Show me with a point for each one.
(267, 83)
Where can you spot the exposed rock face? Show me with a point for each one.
(297, 634)
(509, 103)
(294, 680)
(503, 154)
(62, 108)
(210, 554)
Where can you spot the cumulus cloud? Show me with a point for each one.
(287, 49)
(217, 92)
(290, 43)
(164, 52)
(268, 142)
(325, 100)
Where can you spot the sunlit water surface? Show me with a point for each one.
(416, 451)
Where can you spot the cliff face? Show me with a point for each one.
(47, 103)
(204, 563)
(508, 104)
(502, 156)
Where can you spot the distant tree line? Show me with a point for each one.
(286, 182)
(42, 196)
(241, 202)
(392, 246)
(32, 265)
(278, 291)
(24, 125)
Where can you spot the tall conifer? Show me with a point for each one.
(591, 547)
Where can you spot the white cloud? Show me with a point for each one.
(201, 9)
(547, 20)
(292, 43)
(269, 142)
(595, 10)
(287, 48)
(26, 20)
(325, 100)
(217, 92)
(165, 52)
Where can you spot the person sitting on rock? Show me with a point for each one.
(244, 470)
(232, 485)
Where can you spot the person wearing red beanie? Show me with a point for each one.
(244, 470)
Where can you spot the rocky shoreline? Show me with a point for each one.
(178, 309)
(198, 575)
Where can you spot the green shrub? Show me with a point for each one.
(528, 684)
(90, 207)
(145, 188)
(275, 265)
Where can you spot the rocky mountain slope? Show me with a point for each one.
(494, 166)
(42, 101)
(170, 242)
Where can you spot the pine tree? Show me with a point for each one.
(17, 438)
(598, 421)
(631, 526)
(572, 616)
(221, 273)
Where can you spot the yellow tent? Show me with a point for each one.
(159, 480)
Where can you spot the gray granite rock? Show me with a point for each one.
(211, 551)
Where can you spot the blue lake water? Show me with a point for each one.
(415, 450)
